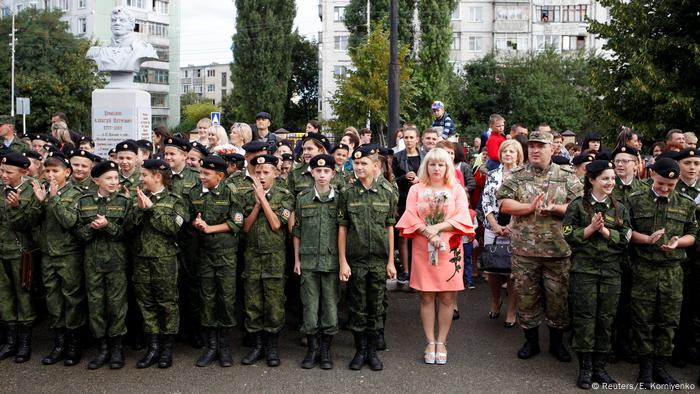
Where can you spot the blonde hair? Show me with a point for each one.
(220, 133)
(437, 154)
(518, 149)
(244, 131)
(203, 122)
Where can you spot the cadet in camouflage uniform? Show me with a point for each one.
(366, 252)
(19, 213)
(101, 219)
(663, 223)
(216, 211)
(184, 177)
(537, 195)
(62, 259)
(268, 209)
(597, 229)
(316, 260)
(129, 163)
(299, 178)
(157, 218)
(81, 162)
(9, 137)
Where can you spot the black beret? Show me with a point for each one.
(61, 157)
(598, 165)
(102, 167)
(83, 153)
(263, 115)
(667, 168)
(255, 146)
(30, 154)
(320, 138)
(16, 160)
(287, 157)
(214, 163)
(67, 148)
(282, 143)
(179, 143)
(112, 151)
(384, 151)
(144, 144)
(669, 154)
(265, 159)
(580, 159)
(233, 157)
(625, 149)
(603, 156)
(686, 153)
(594, 137)
(341, 146)
(85, 139)
(40, 137)
(158, 156)
(196, 145)
(322, 161)
(51, 148)
(364, 151)
(155, 165)
(127, 146)
(561, 160)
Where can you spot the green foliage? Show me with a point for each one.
(190, 98)
(652, 80)
(192, 113)
(50, 68)
(364, 90)
(302, 92)
(356, 19)
(262, 64)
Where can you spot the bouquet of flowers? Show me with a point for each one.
(432, 208)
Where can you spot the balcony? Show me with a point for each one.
(510, 26)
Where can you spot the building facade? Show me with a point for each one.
(157, 20)
(479, 27)
(212, 81)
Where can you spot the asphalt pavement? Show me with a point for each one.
(481, 359)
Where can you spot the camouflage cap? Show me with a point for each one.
(541, 136)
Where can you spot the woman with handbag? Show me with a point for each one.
(436, 217)
(495, 256)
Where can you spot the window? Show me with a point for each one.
(475, 44)
(140, 26)
(82, 3)
(82, 26)
(341, 43)
(63, 5)
(198, 89)
(20, 7)
(573, 13)
(211, 88)
(161, 77)
(340, 70)
(163, 54)
(5, 11)
(160, 7)
(185, 88)
(456, 12)
(544, 41)
(224, 79)
(157, 29)
(475, 14)
(573, 43)
(151, 75)
(456, 41)
(134, 3)
(510, 43)
(159, 120)
(338, 14)
(509, 14)
(211, 73)
(548, 13)
(197, 73)
(159, 100)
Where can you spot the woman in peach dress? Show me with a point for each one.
(436, 217)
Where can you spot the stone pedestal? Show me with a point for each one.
(117, 115)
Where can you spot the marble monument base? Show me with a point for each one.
(117, 115)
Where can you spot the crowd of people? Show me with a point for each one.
(173, 237)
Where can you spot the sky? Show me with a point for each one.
(206, 30)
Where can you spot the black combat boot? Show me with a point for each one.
(326, 361)
(375, 364)
(360, 351)
(3, 335)
(9, 349)
(645, 373)
(312, 353)
(212, 348)
(381, 341)
(102, 355)
(24, 343)
(556, 345)
(72, 348)
(152, 353)
(659, 373)
(273, 359)
(166, 351)
(600, 375)
(117, 350)
(197, 336)
(585, 370)
(258, 350)
(225, 358)
(59, 347)
(532, 344)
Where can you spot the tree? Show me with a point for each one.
(51, 69)
(262, 63)
(363, 91)
(192, 113)
(356, 19)
(302, 91)
(651, 78)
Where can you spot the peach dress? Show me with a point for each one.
(424, 275)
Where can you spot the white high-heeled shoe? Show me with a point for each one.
(440, 357)
(429, 357)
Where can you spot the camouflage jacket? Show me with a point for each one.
(59, 217)
(156, 227)
(16, 223)
(219, 205)
(86, 185)
(300, 179)
(261, 239)
(316, 226)
(622, 192)
(185, 180)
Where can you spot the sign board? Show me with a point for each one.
(117, 115)
(216, 118)
(23, 106)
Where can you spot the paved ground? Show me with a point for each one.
(481, 359)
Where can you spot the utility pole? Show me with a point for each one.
(369, 113)
(393, 86)
(12, 44)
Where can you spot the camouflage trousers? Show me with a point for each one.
(320, 292)
(63, 278)
(15, 302)
(657, 294)
(107, 302)
(542, 287)
(365, 295)
(188, 282)
(594, 303)
(264, 304)
(217, 295)
(155, 287)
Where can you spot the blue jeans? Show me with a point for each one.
(467, 266)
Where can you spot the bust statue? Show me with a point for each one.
(126, 51)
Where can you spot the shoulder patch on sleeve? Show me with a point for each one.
(567, 229)
(179, 220)
(238, 218)
(286, 213)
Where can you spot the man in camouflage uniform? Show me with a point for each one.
(663, 223)
(537, 195)
(8, 135)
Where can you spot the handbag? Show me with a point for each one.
(495, 258)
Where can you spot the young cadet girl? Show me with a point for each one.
(597, 228)
(316, 260)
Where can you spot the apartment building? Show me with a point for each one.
(212, 81)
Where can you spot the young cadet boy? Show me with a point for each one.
(366, 252)
(157, 216)
(175, 154)
(316, 260)
(128, 161)
(81, 162)
(217, 213)
(101, 219)
(268, 209)
(62, 259)
(19, 213)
